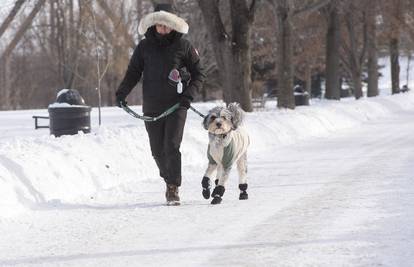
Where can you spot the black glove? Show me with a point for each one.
(185, 101)
(120, 101)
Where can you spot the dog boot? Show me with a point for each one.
(206, 184)
(217, 194)
(171, 195)
(243, 193)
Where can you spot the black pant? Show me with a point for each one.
(165, 138)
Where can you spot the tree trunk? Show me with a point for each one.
(285, 97)
(408, 69)
(220, 42)
(332, 55)
(395, 65)
(357, 83)
(233, 55)
(242, 60)
(372, 53)
(5, 85)
(308, 78)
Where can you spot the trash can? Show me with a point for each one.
(69, 114)
(301, 96)
(302, 99)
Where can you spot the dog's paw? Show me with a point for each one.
(217, 194)
(243, 195)
(206, 184)
(216, 181)
(218, 191)
(206, 193)
(216, 200)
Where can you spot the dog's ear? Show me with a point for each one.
(236, 114)
(206, 121)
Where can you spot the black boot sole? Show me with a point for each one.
(243, 196)
(206, 193)
(216, 200)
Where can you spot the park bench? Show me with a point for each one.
(36, 118)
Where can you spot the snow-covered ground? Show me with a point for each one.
(330, 185)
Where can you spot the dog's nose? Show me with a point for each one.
(218, 124)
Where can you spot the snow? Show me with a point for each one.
(61, 92)
(330, 185)
(65, 105)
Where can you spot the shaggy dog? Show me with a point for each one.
(228, 143)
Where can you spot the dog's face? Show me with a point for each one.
(221, 120)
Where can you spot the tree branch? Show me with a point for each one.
(117, 22)
(11, 16)
(23, 28)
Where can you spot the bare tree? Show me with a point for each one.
(232, 48)
(23, 28)
(5, 93)
(392, 11)
(285, 97)
(332, 88)
(117, 22)
(372, 50)
(10, 17)
(354, 43)
(285, 11)
(309, 52)
(199, 38)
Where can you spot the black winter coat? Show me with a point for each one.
(155, 57)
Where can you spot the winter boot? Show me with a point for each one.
(206, 184)
(217, 194)
(171, 195)
(243, 193)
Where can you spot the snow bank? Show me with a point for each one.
(322, 118)
(99, 168)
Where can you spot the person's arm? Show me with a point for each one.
(133, 73)
(192, 61)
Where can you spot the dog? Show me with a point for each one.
(228, 143)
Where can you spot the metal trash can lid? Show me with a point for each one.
(70, 96)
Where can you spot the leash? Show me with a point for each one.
(148, 118)
(162, 115)
(198, 112)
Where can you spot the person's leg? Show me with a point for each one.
(174, 130)
(155, 132)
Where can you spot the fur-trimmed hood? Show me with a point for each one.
(165, 18)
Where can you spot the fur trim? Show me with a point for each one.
(165, 18)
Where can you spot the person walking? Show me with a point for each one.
(172, 73)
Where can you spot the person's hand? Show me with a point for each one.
(120, 101)
(185, 102)
(174, 77)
